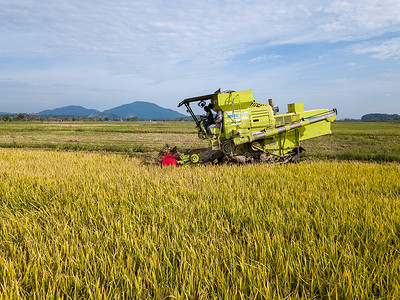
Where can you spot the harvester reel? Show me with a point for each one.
(171, 157)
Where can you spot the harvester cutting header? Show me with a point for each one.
(246, 131)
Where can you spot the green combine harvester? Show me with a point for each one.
(250, 131)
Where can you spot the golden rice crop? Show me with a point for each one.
(90, 225)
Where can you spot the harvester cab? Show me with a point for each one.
(254, 132)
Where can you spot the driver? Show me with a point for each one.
(208, 119)
(217, 123)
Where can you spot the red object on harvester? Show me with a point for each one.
(168, 156)
(169, 162)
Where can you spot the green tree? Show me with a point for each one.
(6, 118)
(20, 117)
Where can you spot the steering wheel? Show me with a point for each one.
(202, 103)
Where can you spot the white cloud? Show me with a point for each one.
(364, 16)
(381, 50)
(264, 58)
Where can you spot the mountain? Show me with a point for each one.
(140, 109)
(71, 110)
(143, 110)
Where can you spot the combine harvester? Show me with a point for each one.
(250, 131)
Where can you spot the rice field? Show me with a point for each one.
(348, 141)
(108, 226)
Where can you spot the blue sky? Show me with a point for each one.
(100, 54)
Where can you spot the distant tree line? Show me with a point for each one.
(380, 118)
(180, 119)
(14, 117)
(49, 118)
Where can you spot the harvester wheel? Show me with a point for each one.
(194, 158)
(169, 161)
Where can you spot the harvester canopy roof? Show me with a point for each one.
(198, 98)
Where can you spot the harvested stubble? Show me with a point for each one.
(86, 225)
